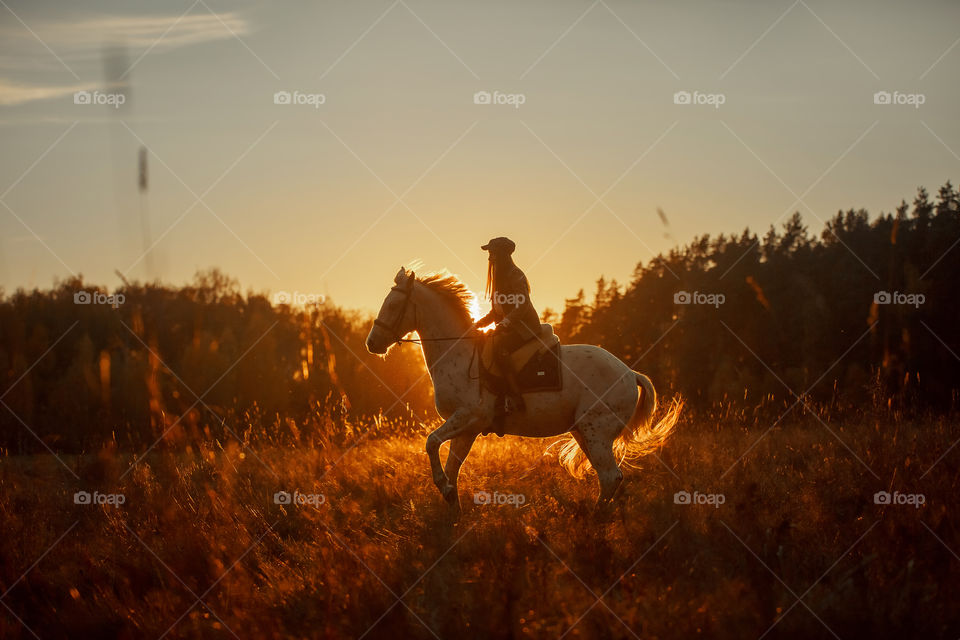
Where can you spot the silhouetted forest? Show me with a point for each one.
(732, 320)
(866, 313)
(185, 363)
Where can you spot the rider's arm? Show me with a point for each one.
(485, 320)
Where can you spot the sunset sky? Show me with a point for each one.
(400, 163)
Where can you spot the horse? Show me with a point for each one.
(606, 406)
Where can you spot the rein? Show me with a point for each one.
(473, 356)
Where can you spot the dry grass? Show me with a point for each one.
(381, 556)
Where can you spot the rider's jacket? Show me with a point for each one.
(512, 308)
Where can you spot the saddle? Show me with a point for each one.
(536, 361)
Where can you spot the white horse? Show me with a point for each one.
(600, 403)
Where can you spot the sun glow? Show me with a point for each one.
(475, 313)
(473, 306)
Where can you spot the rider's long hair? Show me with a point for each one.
(491, 278)
(495, 265)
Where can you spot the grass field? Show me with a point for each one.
(788, 542)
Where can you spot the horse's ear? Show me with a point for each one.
(412, 278)
(400, 275)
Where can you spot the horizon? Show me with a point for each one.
(422, 267)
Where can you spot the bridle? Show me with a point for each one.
(393, 328)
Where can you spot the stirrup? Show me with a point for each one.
(515, 404)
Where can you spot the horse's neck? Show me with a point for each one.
(437, 322)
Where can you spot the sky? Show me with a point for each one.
(725, 115)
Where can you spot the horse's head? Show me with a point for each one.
(396, 317)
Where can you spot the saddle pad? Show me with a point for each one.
(522, 356)
(542, 372)
(537, 363)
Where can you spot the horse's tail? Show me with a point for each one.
(639, 437)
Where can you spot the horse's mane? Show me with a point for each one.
(452, 289)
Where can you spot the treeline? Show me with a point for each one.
(865, 315)
(81, 367)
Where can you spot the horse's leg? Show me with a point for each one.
(459, 449)
(460, 422)
(607, 471)
(597, 443)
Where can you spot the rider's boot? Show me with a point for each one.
(515, 396)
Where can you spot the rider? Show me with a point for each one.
(517, 320)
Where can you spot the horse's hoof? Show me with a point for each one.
(449, 493)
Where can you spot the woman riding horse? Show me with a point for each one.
(517, 320)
